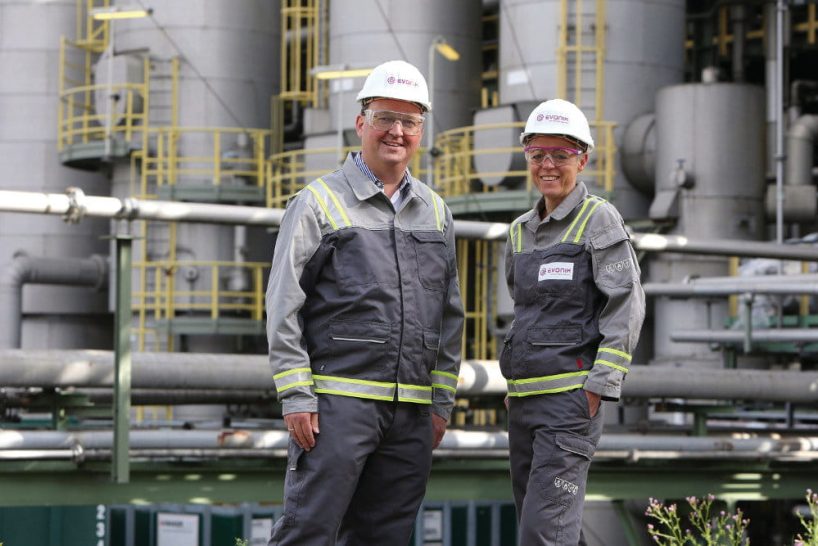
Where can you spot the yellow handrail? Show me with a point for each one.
(287, 173)
(167, 162)
(456, 175)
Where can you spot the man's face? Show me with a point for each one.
(392, 147)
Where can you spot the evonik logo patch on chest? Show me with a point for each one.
(559, 271)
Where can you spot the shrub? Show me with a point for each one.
(705, 528)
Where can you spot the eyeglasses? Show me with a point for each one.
(536, 155)
(384, 120)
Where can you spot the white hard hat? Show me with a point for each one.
(558, 117)
(396, 80)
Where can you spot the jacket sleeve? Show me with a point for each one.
(451, 333)
(298, 239)
(616, 274)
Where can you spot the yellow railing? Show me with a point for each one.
(478, 276)
(217, 155)
(91, 34)
(299, 18)
(165, 298)
(455, 173)
(289, 172)
(78, 121)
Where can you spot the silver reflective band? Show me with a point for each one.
(419, 394)
(548, 384)
(296, 377)
(444, 380)
(358, 388)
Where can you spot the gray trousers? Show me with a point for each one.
(363, 482)
(552, 438)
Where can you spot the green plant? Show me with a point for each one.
(711, 530)
(810, 536)
(239, 542)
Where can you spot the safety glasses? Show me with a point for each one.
(559, 156)
(384, 120)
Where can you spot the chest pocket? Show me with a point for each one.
(364, 257)
(560, 270)
(432, 259)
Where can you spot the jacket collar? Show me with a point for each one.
(364, 188)
(577, 196)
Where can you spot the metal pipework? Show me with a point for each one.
(456, 443)
(75, 205)
(800, 144)
(701, 289)
(91, 272)
(771, 335)
(249, 376)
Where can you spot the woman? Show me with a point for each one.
(578, 309)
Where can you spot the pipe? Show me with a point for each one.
(738, 17)
(456, 443)
(800, 145)
(701, 289)
(76, 205)
(91, 272)
(249, 374)
(772, 335)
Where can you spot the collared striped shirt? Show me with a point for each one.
(397, 197)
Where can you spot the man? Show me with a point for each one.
(578, 310)
(364, 323)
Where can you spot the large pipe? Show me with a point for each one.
(249, 374)
(91, 272)
(700, 289)
(456, 443)
(771, 335)
(74, 205)
(800, 145)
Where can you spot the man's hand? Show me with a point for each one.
(303, 427)
(593, 402)
(438, 429)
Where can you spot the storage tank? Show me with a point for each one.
(228, 71)
(55, 317)
(636, 64)
(369, 32)
(710, 182)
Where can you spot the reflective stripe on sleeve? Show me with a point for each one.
(358, 388)
(444, 380)
(438, 205)
(516, 234)
(613, 358)
(548, 384)
(297, 377)
(340, 215)
(581, 219)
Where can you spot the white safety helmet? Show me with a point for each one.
(396, 80)
(558, 117)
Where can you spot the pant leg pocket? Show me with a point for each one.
(292, 482)
(568, 468)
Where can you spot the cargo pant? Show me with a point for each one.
(552, 438)
(363, 482)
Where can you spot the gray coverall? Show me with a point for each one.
(578, 310)
(364, 322)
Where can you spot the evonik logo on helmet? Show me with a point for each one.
(556, 118)
(392, 80)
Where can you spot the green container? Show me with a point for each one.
(54, 526)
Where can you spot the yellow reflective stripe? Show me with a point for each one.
(445, 374)
(584, 222)
(355, 381)
(546, 378)
(413, 393)
(437, 212)
(336, 202)
(579, 215)
(444, 387)
(295, 384)
(516, 238)
(616, 352)
(545, 391)
(355, 394)
(323, 206)
(610, 364)
(290, 372)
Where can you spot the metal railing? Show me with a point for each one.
(455, 173)
(289, 172)
(217, 156)
(166, 299)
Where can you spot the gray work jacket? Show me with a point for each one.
(578, 301)
(364, 300)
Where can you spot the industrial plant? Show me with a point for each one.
(149, 148)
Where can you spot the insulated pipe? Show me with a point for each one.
(92, 272)
(800, 145)
(694, 289)
(74, 205)
(250, 373)
(456, 443)
(772, 335)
